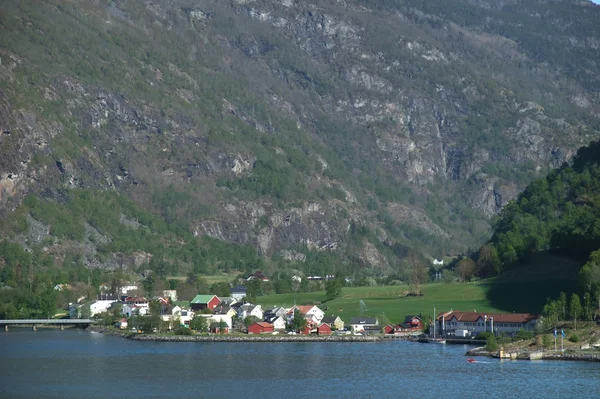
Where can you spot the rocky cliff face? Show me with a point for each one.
(285, 124)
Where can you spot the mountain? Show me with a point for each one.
(330, 137)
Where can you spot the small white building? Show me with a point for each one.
(438, 262)
(102, 305)
(136, 305)
(358, 324)
(129, 288)
(216, 318)
(249, 309)
(238, 293)
(278, 323)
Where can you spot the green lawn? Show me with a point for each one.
(522, 290)
(390, 302)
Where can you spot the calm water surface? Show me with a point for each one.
(79, 364)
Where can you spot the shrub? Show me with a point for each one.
(183, 331)
(483, 335)
(523, 335)
(491, 345)
(574, 338)
(546, 341)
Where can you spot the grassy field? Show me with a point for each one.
(390, 303)
(525, 289)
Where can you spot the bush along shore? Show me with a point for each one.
(234, 338)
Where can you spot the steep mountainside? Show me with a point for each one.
(338, 134)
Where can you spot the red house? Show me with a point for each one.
(215, 328)
(410, 324)
(389, 329)
(205, 302)
(305, 331)
(260, 328)
(324, 329)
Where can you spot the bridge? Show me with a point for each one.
(36, 322)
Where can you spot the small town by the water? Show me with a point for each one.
(298, 198)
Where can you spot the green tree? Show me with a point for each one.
(466, 268)
(575, 308)
(333, 289)
(488, 261)
(248, 321)
(562, 306)
(491, 344)
(199, 323)
(299, 321)
(148, 285)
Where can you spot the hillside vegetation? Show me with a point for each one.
(358, 138)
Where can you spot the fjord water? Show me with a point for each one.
(79, 364)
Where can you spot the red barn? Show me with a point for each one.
(324, 329)
(205, 302)
(260, 328)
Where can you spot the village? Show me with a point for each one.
(234, 314)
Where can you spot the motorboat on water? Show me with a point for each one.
(471, 360)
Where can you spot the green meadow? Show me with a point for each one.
(390, 303)
(523, 290)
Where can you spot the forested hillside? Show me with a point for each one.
(355, 137)
(560, 212)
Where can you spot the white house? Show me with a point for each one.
(437, 262)
(249, 309)
(135, 305)
(185, 315)
(216, 318)
(238, 293)
(273, 313)
(102, 304)
(311, 312)
(278, 323)
(358, 324)
(477, 322)
(129, 287)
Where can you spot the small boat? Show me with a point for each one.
(471, 360)
(438, 340)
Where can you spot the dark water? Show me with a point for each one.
(78, 364)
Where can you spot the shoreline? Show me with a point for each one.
(235, 338)
(541, 355)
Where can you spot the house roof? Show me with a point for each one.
(135, 299)
(227, 300)
(330, 319)
(263, 324)
(363, 320)
(248, 307)
(238, 290)
(303, 308)
(498, 317)
(409, 319)
(203, 299)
